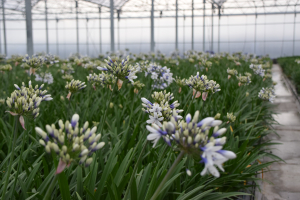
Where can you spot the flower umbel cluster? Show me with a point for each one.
(50, 59)
(202, 84)
(231, 117)
(71, 143)
(161, 110)
(192, 137)
(67, 77)
(232, 72)
(44, 77)
(161, 75)
(257, 69)
(180, 82)
(25, 101)
(137, 86)
(35, 61)
(5, 67)
(75, 86)
(267, 94)
(103, 79)
(244, 80)
(90, 66)
(120, 70)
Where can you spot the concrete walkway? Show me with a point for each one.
(284, 177)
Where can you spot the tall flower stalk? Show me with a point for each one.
(12, 154)
(193, 137)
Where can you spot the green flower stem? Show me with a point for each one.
(24, 140)
(134, 170)
(131, 112)
(69, 113)
(193, 96)
(188, 101)
(12, 144)
(171, 170)
(106, 108)
(254, 123)
(50, 188)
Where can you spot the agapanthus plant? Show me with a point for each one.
(90, 66)
(122, 70)
(180, 82)
(231, 117)
(202, 84)
(44, 77)
(257, 69)
(5, 68)
(74, 86)
(161, 110)
(267, 94)
(35, 61)
(68, 77)
(103, 79)
(25, 101)
(243, 80)
(50, 59)
(71, 143)
(161, 76)
(137, 86)
(231, 72)
(193, 137)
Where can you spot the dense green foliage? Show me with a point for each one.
(128, 165)
(292, 69)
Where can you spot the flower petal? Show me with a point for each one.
(61, 166)
(12, 113)
(22, 122)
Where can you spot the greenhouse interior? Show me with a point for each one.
(149, 99)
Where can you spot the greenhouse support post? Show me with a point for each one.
(57, 45)
(29, 27)
(183, 33)
(77, 31)
(0, 42)
(119, 12)
(219, 8)
(192, 24)
(87, 35)
(4, 27)
(112, 31)
(203, 25)
(212, 27)
(152, 26)
(255, 31)
(100, 39)
(176, 26)
(46, 21)
(294, 33)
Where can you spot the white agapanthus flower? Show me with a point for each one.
(131, 76)
(161, 110)
(214, 156)
(44, 77)
(155, 119)
(156, 109)
(193, 137)
(161, 75)
(257, 69)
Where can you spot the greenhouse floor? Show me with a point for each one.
(283, 179)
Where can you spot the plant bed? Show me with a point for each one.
(124, 163)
